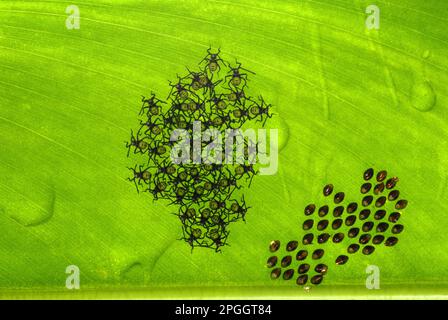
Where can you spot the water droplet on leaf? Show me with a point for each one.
(423, 97)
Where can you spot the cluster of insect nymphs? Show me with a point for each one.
(214, 95)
